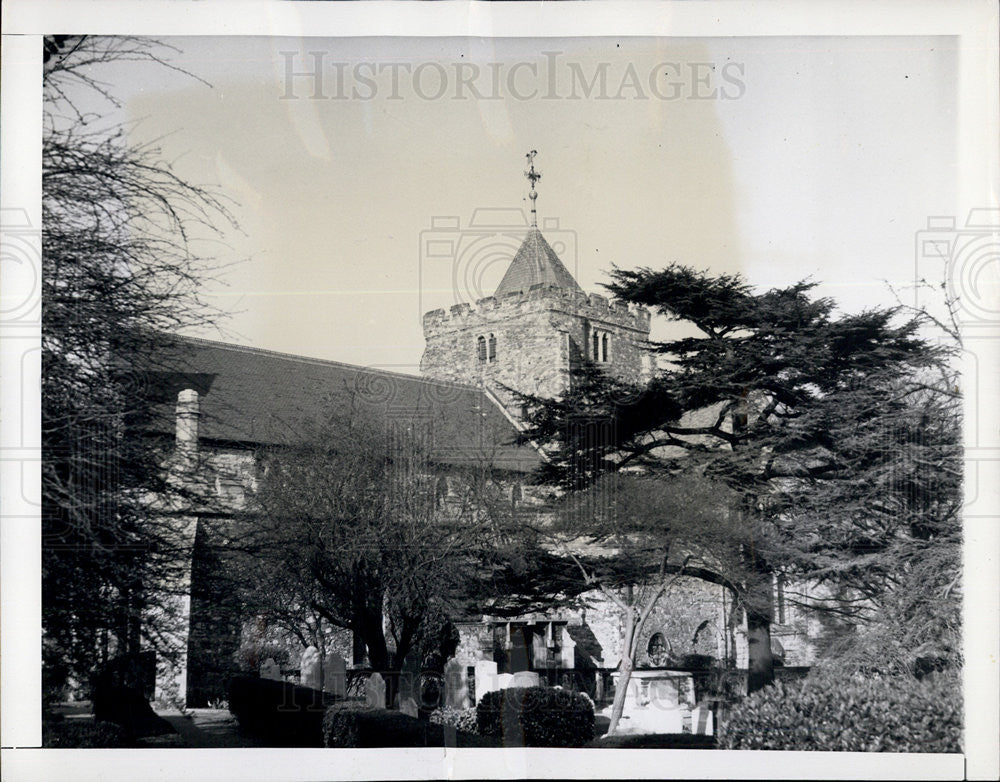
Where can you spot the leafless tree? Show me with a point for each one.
(121, 268)
(356, 526)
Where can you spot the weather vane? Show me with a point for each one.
(533, 176)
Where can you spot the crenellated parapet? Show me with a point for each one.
(539, 298)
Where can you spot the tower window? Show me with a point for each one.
(600, 346)
(486, 348)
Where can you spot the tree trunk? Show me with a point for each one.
(625, 675)
(760, 612)
(321, 648)
(759, 599)
(373, 633)
(760, 663)
(627, 666)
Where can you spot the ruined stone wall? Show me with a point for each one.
(475, 642)
(679, 613)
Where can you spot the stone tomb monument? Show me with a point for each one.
(656, 701)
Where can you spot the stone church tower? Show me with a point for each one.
(536, 327)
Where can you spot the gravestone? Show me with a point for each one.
(408, 706)
(375, 691)
(525, 679)
(409, 678)
(456, 689)
(270, 670)
(503, 681)
(335, 675)
(309, 668)
(486, 678)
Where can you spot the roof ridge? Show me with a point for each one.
(321, 361)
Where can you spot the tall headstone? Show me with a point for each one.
(335, 675)
(270, 670)
(375, 691)
(486, 678)
(456, 688)
(310, 669)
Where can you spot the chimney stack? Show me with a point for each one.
(188, 412)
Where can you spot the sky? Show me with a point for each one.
(395, 185)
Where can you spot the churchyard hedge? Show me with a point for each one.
(654, 741)
(460, 719)
(537, 717)
(856, 713)
(280, 713)
(349, 725)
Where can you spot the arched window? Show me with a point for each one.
(597, 340)
(604, 348)
(481, 349)
(493, 349)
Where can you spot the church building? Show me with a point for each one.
(225, 402)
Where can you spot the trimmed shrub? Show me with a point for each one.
(280, 713)
(128, 707)
(348, 725)
(536, 717)
(655, 741)
(460, 719)
(831, 711)
(83, 734)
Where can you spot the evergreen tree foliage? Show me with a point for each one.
(836, 435)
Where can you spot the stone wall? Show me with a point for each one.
(539, 336)
(679, 613)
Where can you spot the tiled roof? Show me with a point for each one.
(258, 397)
(535, 262)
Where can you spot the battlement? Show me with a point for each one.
(537, 299)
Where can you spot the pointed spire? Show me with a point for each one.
(535, 262)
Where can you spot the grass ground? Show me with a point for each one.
(218, 729)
